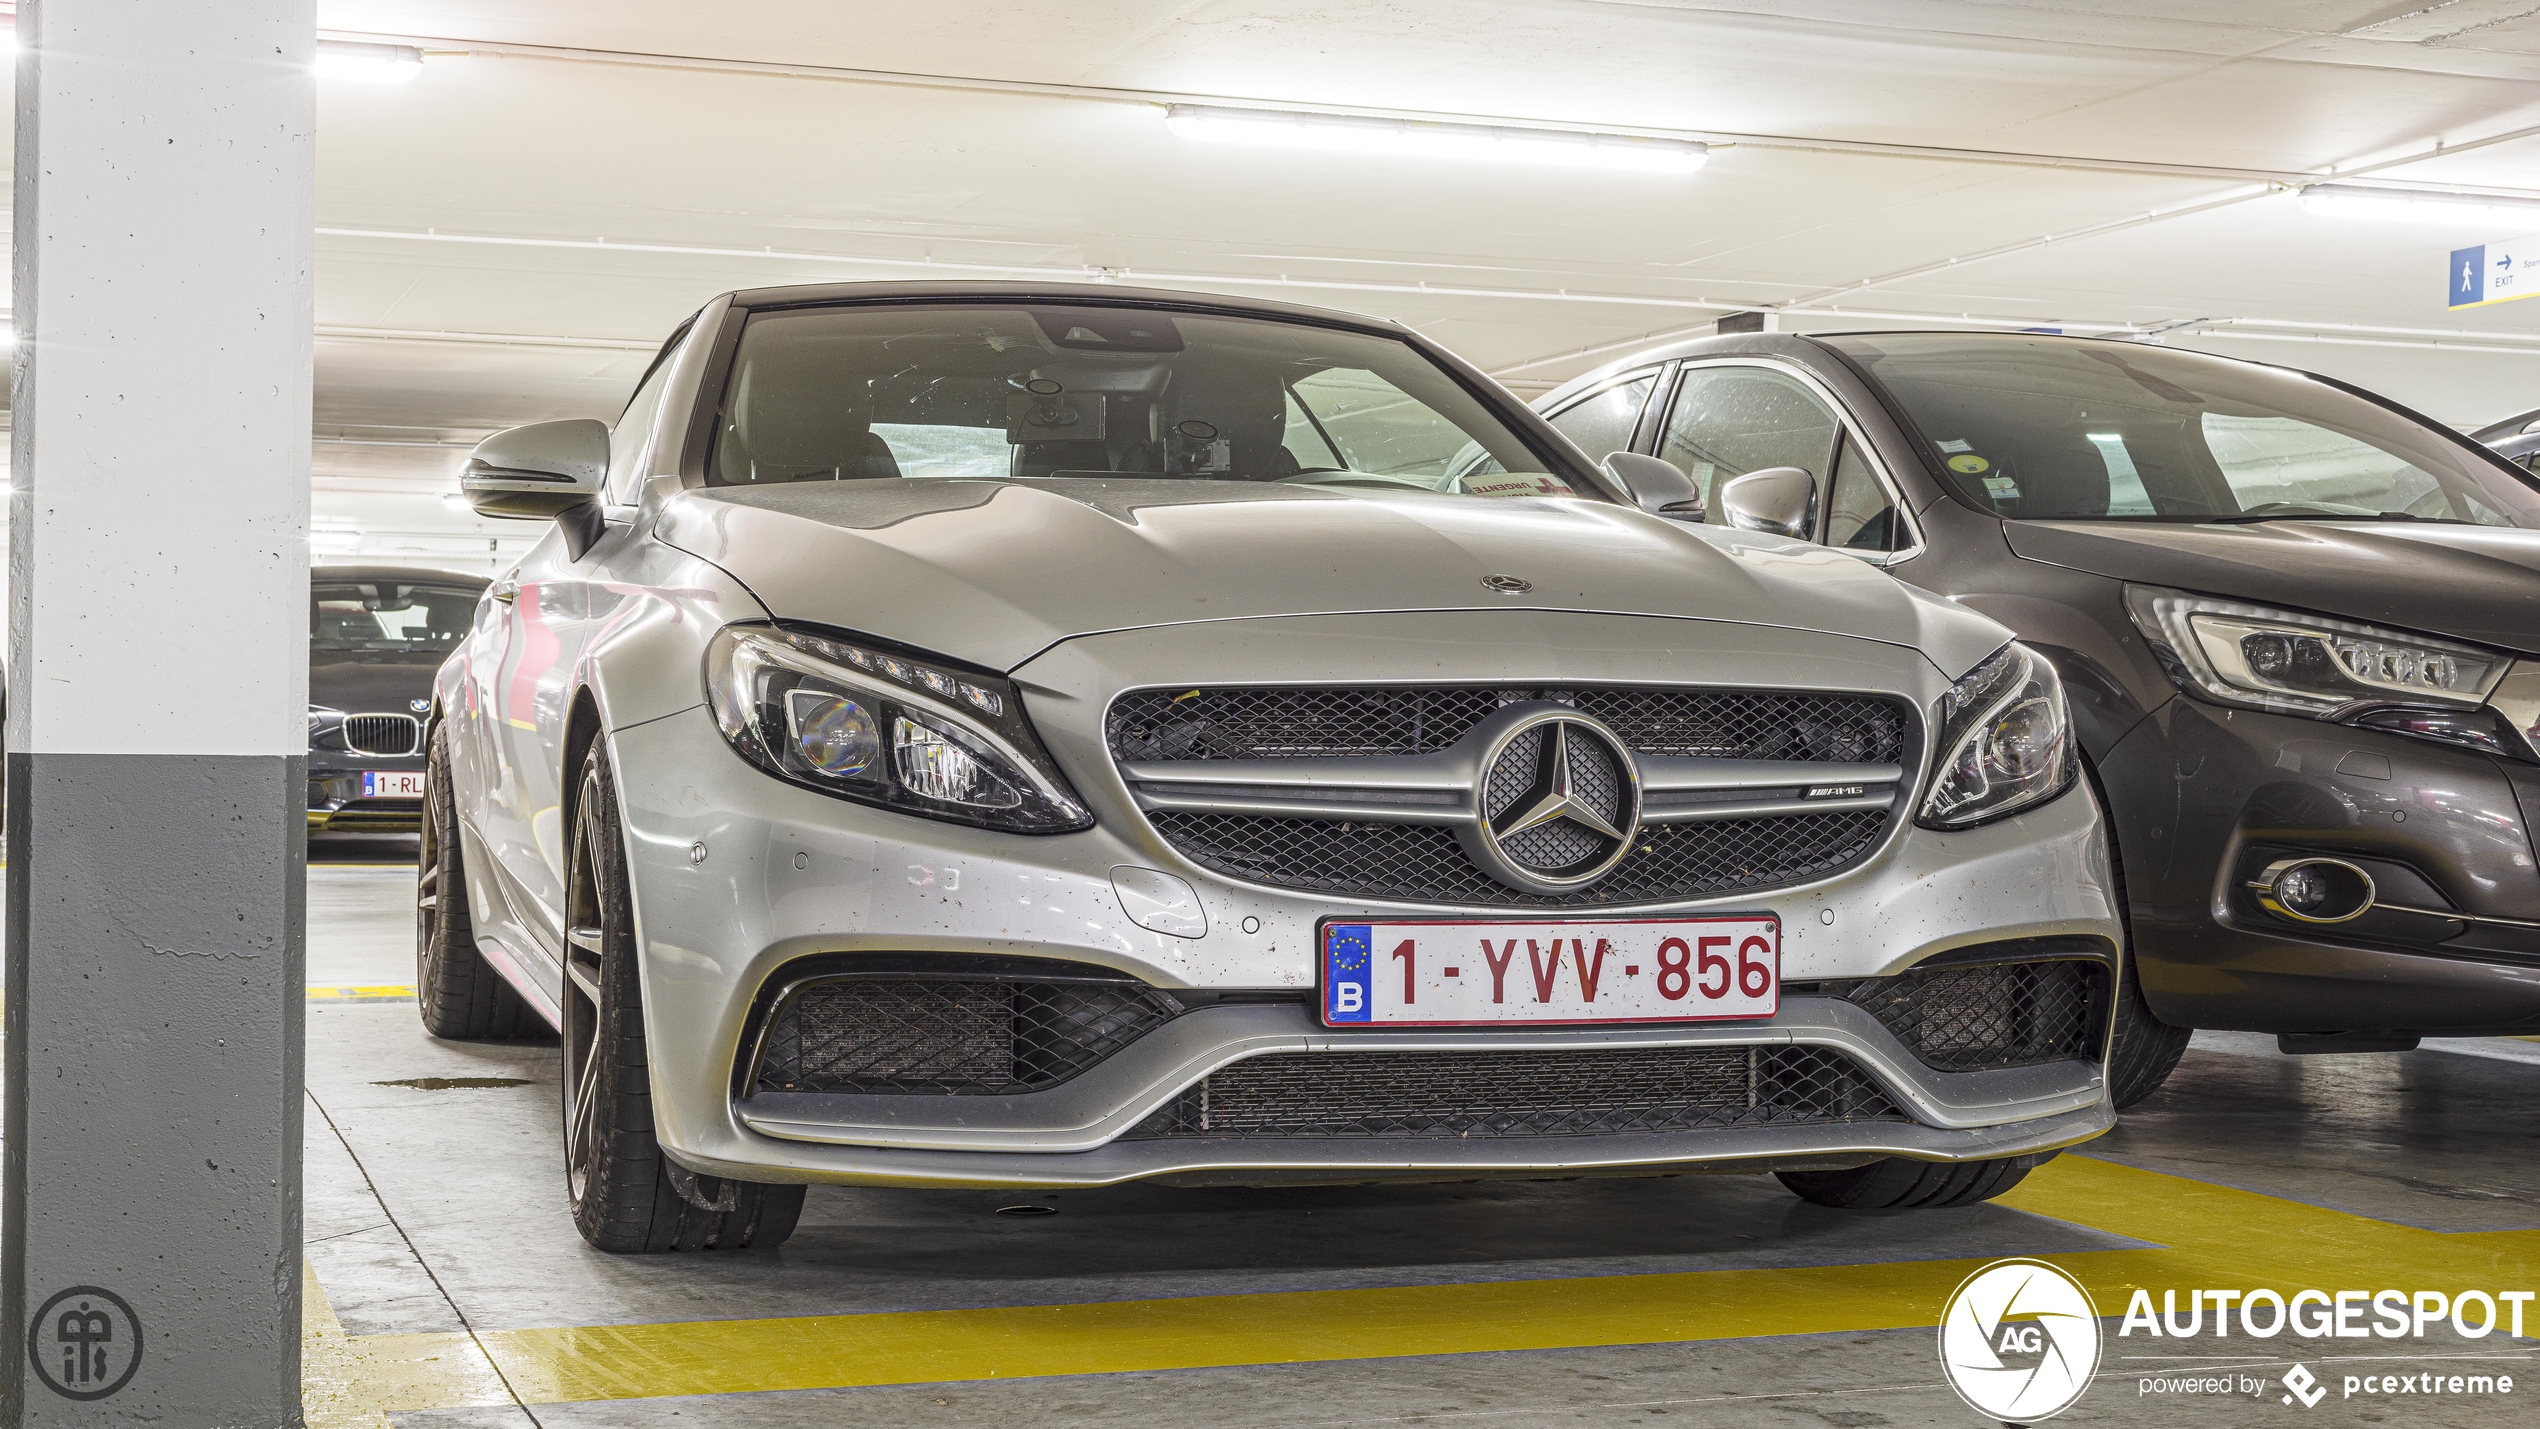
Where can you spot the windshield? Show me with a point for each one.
(388, 615)
(2063, 429)
(994, 393)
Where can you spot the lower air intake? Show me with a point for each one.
(949, 1037)
(1973, 1019)
(1452, 1095)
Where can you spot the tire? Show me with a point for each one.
(624, 1192)
(458, 992)
(1899, 1184)
(2142, 1049)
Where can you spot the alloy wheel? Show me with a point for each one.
(586, 937)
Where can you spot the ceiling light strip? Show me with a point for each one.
(1090, 273)
(340, 332)
(2336, 340)
(430, 44)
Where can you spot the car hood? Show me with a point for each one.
(370, 682)
(2475, 583)
(994, 572)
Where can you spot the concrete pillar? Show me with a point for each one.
(157, 735)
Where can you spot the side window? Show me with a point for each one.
(1602, 424)
(1728, 421)
(630, 441)
(1860, 516)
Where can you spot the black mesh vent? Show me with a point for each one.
(1423, 863)
(1970, 1019)
(1455, 1095)
(950, 1037)
(1156, 725)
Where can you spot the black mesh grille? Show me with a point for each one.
(1454, 1095)
(1969, 1019)
(949, 1037)
(1155, 725)
(1423, 862)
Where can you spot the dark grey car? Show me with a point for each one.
(2300, 626)
(376, 635)
(2516, 439)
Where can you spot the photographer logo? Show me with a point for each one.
(2019, 1341)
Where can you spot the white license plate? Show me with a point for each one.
(1550, 971)
(392, 783)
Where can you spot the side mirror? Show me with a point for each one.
(538, 471)
(1778, 500)
(1659, 486)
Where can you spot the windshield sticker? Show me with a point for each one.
(1969, 465)
(1955, 446)
(1522, 484)
(2002, 488)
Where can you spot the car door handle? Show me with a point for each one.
(504, 591)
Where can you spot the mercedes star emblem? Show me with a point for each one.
(1559, 801)
(1507, 585)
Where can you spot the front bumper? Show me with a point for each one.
(335, 802)
(737, 875)
(2203, 796)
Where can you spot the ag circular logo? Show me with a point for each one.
(2019, 1341)
(85, 1343)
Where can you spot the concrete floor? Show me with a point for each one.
(460, 1296)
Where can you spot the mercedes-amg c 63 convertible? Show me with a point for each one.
(1006, 735)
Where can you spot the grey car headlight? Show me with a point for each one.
(882, 727)
(2288, 662)
(2006, 741)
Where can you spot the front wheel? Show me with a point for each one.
(1897, 1183)
(627, 1197)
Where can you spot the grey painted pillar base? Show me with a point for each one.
(156, 990)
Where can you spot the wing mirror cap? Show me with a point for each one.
(1778, 500)
(538, 471)
(1657, 485)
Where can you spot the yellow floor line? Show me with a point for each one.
(357, 1381)
(2208, 1237)
(384, 992)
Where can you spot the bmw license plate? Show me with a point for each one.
(392, 783)
(1550, 971)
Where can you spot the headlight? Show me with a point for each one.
(2006, 742)
(2289, 663)
(885, 729)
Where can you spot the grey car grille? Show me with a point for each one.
(1455, 1095)
(949, 1037)
(1422, 863)
(1969, 1019)
(1265, 785)
(1293, 722)
(387, 735)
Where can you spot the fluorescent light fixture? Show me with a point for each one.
(379, 64)
(335, 540)
(1367, 134)
(2422, 205)
(456, 501)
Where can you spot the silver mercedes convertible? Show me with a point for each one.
(1005, 735)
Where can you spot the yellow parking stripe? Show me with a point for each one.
(2210, 1236)
(384, 992)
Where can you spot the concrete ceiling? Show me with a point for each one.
(742, 178)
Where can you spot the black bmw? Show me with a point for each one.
(2299, 625)
(376, 634)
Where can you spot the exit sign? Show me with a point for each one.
(2494, 272)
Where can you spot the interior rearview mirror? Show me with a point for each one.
(1657, 485)
(538, 471)
(1777, 499)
